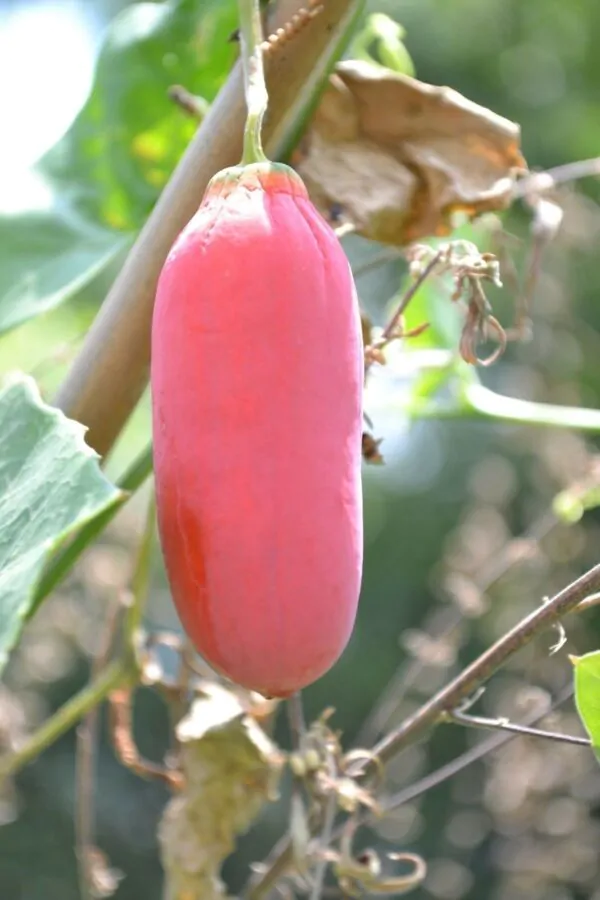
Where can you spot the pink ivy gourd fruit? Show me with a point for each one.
(257, 374)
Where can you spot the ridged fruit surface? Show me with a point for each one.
(257, 371)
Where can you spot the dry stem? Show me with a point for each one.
(111, 370)
(447, 700)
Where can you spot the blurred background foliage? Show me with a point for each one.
(441, 517)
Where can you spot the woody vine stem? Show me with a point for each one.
(251, 36)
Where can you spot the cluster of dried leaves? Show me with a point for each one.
(395, 160)
(224, 766)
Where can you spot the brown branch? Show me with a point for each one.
(449, 770)
(277, 863)
(330, 812)
(436, 710)
(187, 102)
(111, 370)
(485, 665)
(547, 219)
(544, 181)
(395, 692)
(121, 731)
(391, 326)
(390, 330)
(501, 724)
(459, 763)
(452, 768)
(92, 864)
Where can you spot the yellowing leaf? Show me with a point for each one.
(397, 157)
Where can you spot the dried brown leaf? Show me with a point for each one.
(370, 449)
(231, 769)
(398, 157)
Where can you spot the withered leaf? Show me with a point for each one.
(397, 157)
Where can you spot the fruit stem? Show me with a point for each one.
(251, 38)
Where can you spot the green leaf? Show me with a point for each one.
(587, 695)
(47, 255)
(65, 558)
(50, 484)
(129, 136)
(88, 196)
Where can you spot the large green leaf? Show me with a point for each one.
(587, 694)
(129, 136)
(47, 255)
(50, 485)
(89, 195)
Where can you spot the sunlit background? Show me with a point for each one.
(440, 517)
(46, 66)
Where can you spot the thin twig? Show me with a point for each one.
(476, 674)
(449, 770)
(84, 800)
(120, 672)
(391, 326)
(500, 724)
(543, 181)
(407, 676)
(390, 332)
(435, 778)
(466, 759)
(547, 219)
(296, 719)
(445, 772)
(326, 833)
(121, 730)
(277, 863)
(110, 371)
(121, 700)
(140, 578)
(434, 710)
(380, 259)
(191, 105)
(589, 603)
(85, 762)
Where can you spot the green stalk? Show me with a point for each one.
(65, 718)
(478, 402)
(140, 582)
(251, 34)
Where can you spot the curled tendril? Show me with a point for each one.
(479, 326)
(469, 270)
(355, 762)
(362, 874)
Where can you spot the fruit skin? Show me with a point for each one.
(257, 373)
